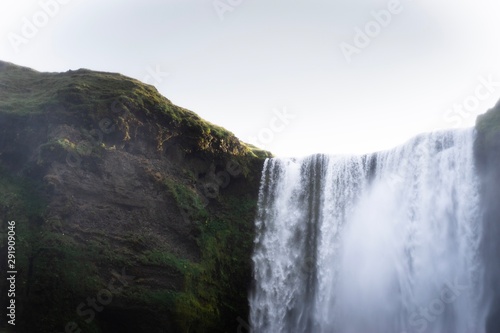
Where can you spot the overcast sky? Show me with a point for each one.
(293, 76)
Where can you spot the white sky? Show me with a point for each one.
(268, 55)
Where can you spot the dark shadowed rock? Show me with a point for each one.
(487, 149)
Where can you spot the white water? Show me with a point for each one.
(384, 243)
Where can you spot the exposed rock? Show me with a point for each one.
(487, 149)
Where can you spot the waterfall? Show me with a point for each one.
(382, 243)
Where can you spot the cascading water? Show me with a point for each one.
(383, 243)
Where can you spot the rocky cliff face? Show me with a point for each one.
(487, 150)
(132, 214)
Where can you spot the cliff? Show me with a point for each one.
(487, 150)
(132, 214)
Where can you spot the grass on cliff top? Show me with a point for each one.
(489, 123)
(24, 91)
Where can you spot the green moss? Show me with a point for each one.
(53, 269)
(188, 200)
(212, 284)
(257, 152)
(58, 257)
(488, 125)
(169, 260)
(20, 198)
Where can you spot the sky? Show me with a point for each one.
(295, 77)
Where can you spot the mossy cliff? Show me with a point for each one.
(132, 214)
(487, 150)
